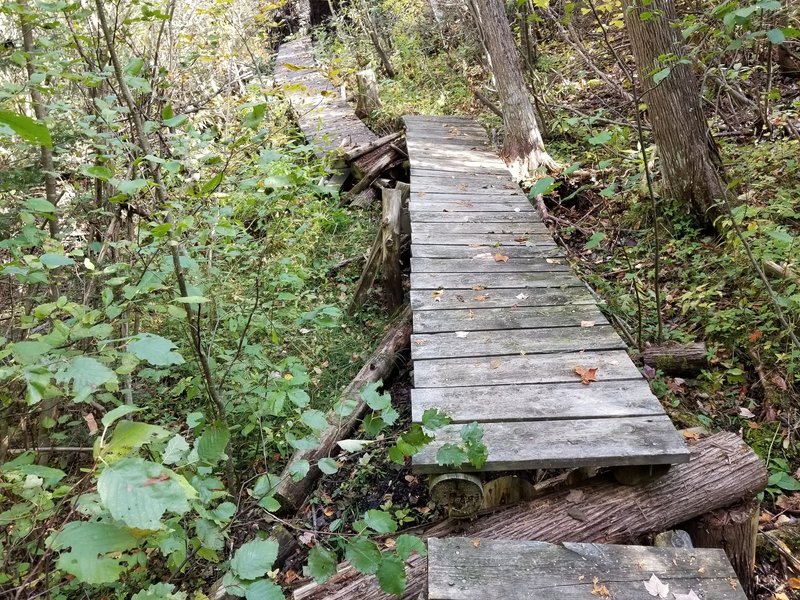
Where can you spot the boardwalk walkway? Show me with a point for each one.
(502, 326)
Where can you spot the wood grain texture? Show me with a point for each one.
(537, 402)
(484, 281)
(452, 193)
(486, 262)
(519, 317)
(611, 365)
(499, 298)
(470, 569)
(515, 341)
(434, 205)
(422, 216)
(520, 227)
(520, 251)
(567, 443)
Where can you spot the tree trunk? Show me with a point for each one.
(677, 359)
(291, 494)
(392, 274)
(722, 470)
(691, 165)
(523, 147)
(368, 100)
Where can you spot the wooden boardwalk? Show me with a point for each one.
(324, 117)
(501, 324)
(472, 569)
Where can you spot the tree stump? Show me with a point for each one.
(392, 276)
(367, 100)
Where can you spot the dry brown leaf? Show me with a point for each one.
(521, 239)
(495, 364)
(794, 583)
(91, 423)
(779, 382)
(419, 342)
(290, 576)
(780, 596)
(598, 589)
(500, 258)
(575, 496)
(437, 293)
(691, 435)
(389, 543)
(586, 375)
(476, 542)
(481, 298)
(588, 323)
(755, 335)
(478, 287)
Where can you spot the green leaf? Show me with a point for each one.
(29, 352)
(543, 186)
(450, 455)
(253, 559)
(299, 469)
(39, 205)
(601, 138)
(595, 239)
(156, 350)
(130, 187)
(159, 591)
(134, 66)
(138, 492)
(776, 36)
(298, 397)
(117, 413)
(176, 449)
(363, 554)
(192, 300)
(406, 544)
(51, 261)
(90, 544)
(380, 521)
(27, 128)
(375, 400)
(86, 375)
(212, 443)
(353, 445)
(661, 75)
(129, 436)
(314, 419)
(328, 466)
(321, 564)
(392, 575)
(176, 121)
(433, 419)
(263, 589)
(97, 171)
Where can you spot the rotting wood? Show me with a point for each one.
(735, 530)
(367, 100)
(291, 494)
(506, 490)
(368, 274)
(360, 151)
(475, 568)
(390, 249)
(385, 162)
(460, 493)
(723, 470)
(674, 538)
(677, 359)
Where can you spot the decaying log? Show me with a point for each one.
(674, 538)
(735, 530)
(390, 249)
(291, 494)
(722, 470)
(367, 100)
(355, 153)
(368, 274)
(677, 359)
(783, 271)
(384, 163)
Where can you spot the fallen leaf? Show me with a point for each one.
(690, 596)
(437, 293)
(290, 576)
(656, 588)
(495, 364)
(516, 210)
(481, 298)
(648, 372)
(779, 382)
(482, 255)
(794, 583)
(553, 261)
(476, 542)
(500, 258)
(478, 287)
(586, 375)
(419, 342)
(91, 423)
(462, 187)
(780, 596)
(598, 589)
(521, 297)
(389, 543)
(746, 413)
(675, 385)
(577, 513)
(755, 335)
(521, 239)
(462, 334)
(588, 323)
(575, 496)
(691, 435)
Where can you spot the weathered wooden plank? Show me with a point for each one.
(482, 239)
(487, 169)
(555, 401)
(486, 262)
(523, 317)
(499, 179)
(433, 204)
(566, 443)
(522, 226)
(499, 298)
(611, 365)
(487, 281)
(454, 196)
(433, 186)
(515, 341)
(469, 569)
(425, 216)
(521, 251)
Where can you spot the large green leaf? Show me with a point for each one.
(392, 575)
(380, 521)
(159, 591)
(155, 349)
(363, 554)
(86, 375)
(253, 559)
(131, 435)
(90, 544)
(406, 544)
(321, 564)
(138, 492)
(211, 445)
(263, 590)
(27, 128)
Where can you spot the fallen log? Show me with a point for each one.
(360, 151)
(291, 494)
(677, 359)
(723, 470)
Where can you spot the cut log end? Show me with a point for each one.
(460, 493)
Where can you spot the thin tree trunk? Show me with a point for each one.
(523, 147)
(691, 165)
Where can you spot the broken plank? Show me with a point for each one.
(475, 569)
(499, 298)
(532, 402)
(515, 341)
(487, 262)
(523, 317)
(568, 443)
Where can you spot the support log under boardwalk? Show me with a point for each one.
(291, 494)
(722, 471)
